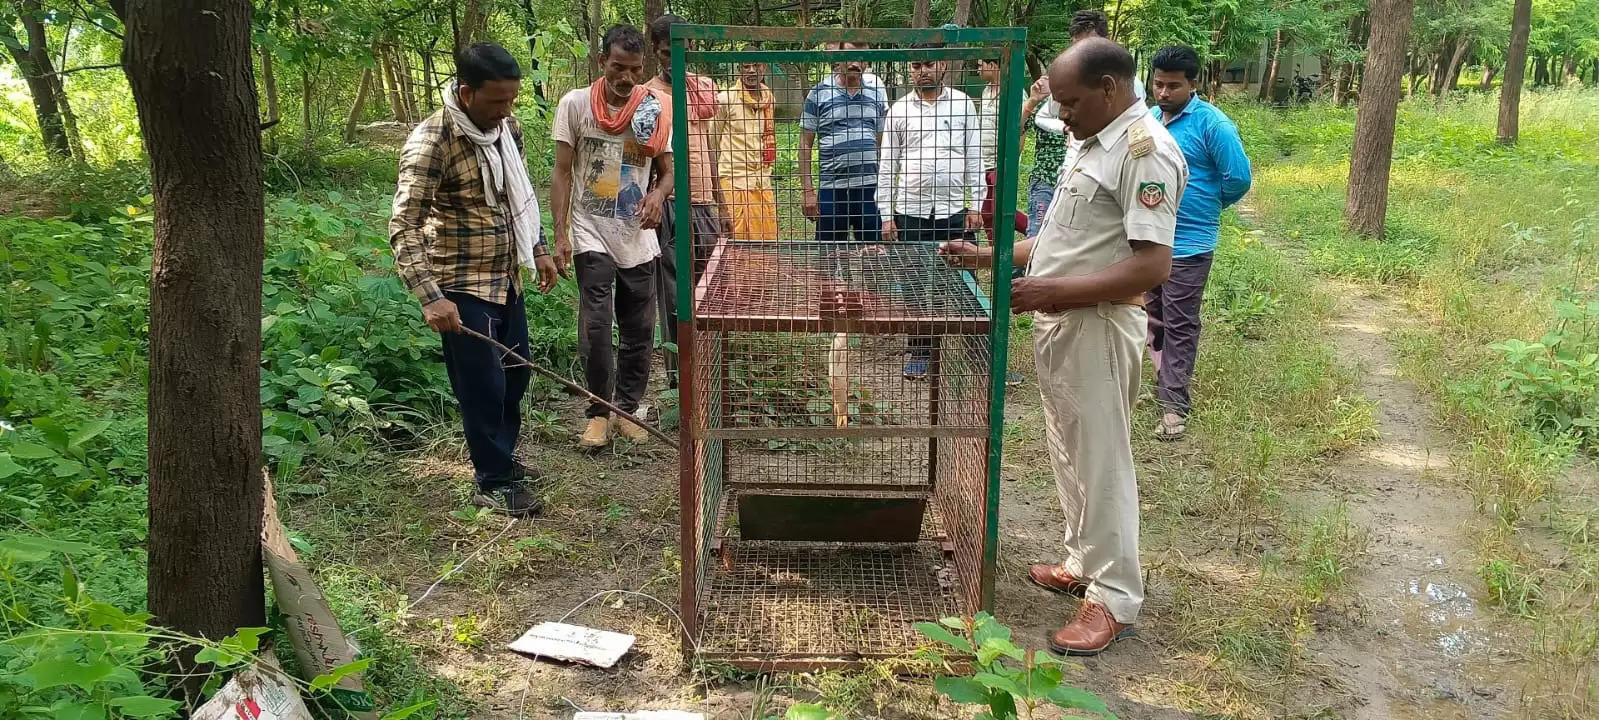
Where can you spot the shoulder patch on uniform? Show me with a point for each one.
(1139, 141)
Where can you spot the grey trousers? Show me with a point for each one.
(1174, 330)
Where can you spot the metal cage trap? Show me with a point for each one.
(841, 394)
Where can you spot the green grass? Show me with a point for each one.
(1486, 244)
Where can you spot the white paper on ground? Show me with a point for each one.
(641, 715)
(254, 695)
(574, 643)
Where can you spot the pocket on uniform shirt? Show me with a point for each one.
(1075, 200)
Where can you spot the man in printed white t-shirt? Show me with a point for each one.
(613, 166)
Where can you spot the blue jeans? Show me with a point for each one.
(1040, 190)
(842, 210)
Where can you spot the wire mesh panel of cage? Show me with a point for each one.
(842, 380)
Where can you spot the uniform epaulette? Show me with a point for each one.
(1139, 141)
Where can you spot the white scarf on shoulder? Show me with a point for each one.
(505, 171)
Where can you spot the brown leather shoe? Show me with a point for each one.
(1090, 632)
(1055, 578)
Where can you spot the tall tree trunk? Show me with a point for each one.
(69, 119)
(1217, 70)
(1570, 75)
(1346, 80)
(307, 131)
(361, 91)
(653, 10)
(593, 15)
(269, 82)
(1489, 71)
(1415, 73)
(1515, 72)
(1440, 62)
(530, 26)
(189, 66)
(1268, 80)
(1366, 207)
(1452, 71)
(963, 12)
(922, 13)
(430, 77)
(1540, 71)
(805, 13)
(407, 82)
(474, 25)
(33, 63)
(391, 82)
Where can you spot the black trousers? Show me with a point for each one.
(489, 392)
(623, 297)
(930, 232)
(705, 227)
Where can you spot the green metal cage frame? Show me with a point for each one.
(1009, 43)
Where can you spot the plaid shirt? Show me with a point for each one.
(444, 234)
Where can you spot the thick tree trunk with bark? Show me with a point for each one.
(188, 64)
(1269, 79)
(653, 10)
(1515, 72)
(922, 13)
(1489, 72)
(34, 64)
(361, 91)
(1366, 206)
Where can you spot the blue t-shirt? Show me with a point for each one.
(1218, 173)
(846, 126)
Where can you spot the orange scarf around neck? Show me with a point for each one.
(619, 121)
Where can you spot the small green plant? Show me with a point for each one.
(1008, 682)
(1557, 378)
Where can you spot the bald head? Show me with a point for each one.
(1093, 82)
(1093, 58)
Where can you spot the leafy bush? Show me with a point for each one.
(1008, 682)
(1557, 378)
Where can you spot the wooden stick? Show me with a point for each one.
(524, 362)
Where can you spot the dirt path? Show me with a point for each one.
(1422, 646)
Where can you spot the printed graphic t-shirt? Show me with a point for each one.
(610, 177)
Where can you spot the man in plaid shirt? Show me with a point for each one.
(464, 222)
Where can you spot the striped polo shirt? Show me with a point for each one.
(846, 126)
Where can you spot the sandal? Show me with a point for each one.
(1171, 431)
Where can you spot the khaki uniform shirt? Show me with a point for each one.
(1121, 185)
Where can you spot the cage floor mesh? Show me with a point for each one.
(783, 286)
(771, 600)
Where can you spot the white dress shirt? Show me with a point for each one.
(932, 159)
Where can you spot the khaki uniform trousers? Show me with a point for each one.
(1089, 360)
